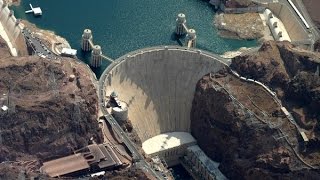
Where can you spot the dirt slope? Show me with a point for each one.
(49, 114)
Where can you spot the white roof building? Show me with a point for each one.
(166, 141)
(4, 108)
(37, 11)
(69, 52)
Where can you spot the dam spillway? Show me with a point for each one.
(158, 84)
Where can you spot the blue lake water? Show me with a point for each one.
(121, 26)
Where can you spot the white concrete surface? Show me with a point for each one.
(8, 29)
(4, 35)
(275, 25)
(294, 27)
(158, 86)
(163, 142)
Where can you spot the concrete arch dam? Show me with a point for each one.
(158, 84)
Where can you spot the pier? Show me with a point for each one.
(36, 11)
(88, 45)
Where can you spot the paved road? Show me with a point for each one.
(313, 31)
(38, 47)
(137, 157)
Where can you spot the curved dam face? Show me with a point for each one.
(158, 84)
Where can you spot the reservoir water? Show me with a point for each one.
(121, 26)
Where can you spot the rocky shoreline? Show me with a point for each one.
(13, 2)
(53, 41)
(292, 74)
(239, 26)
(245, 145)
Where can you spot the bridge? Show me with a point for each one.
(88, 45)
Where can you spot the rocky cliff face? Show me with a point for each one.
(317, 46)
(304, 88)
(245, 147)
(50, 112)
(290, 71)
(266, 65)
(239, 3)
(276, 63)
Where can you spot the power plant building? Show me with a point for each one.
(92, 157)
(169, 145)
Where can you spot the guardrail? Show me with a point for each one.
(299, 14)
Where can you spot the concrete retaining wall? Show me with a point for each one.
(12, 29)
(255, 9)
(293, 26)
(158, 85)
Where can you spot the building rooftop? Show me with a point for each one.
(4, 108)
(65, 165)
(166, 141)
(68, 51)
(100, 155)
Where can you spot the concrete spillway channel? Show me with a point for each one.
(158, 84)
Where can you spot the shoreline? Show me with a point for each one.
(13, 2)
(239, 26)
(238, 52)
(53, 41)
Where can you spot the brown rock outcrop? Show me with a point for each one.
(292, 73)
(266, 65)
(48, 116)
(282, 67)
(245, 147)
(239, 3)
(4, 49)
(304, 88)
